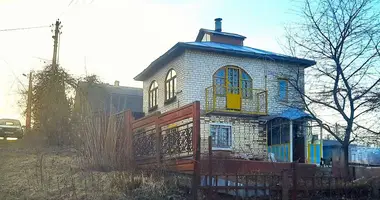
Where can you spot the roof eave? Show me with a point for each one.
(200, 35)
(170, 54)
(202, 32)
(304, 62)
(177, 50)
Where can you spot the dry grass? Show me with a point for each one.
(46, 173)
(30, 171)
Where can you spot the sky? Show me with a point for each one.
(117, 39)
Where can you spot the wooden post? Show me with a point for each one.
(196, 148)
(29, 104)
(285, 185)
(128, 118)
(209, 167)
(158, 142)
(294, 178)
(375, 189)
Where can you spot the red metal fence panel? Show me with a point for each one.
(169, 139)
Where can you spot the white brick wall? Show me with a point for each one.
(249, 136)
(179, 66)
(195, 70)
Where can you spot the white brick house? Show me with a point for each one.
(238, 87)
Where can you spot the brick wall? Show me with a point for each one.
(249, 136)
(179, 66)
(195, 70)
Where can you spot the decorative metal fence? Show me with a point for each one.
(168, 139)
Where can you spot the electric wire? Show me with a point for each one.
(22, 28)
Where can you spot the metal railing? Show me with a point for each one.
(252, 101)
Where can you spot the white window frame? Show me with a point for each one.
(230, 139)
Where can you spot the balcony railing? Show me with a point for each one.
(236, 100)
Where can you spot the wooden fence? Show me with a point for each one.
(244, 179)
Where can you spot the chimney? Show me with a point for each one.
(218, 24)
(117, 83)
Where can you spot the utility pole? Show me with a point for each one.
(29, 104)
(57, 32)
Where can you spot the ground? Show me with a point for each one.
(30, 171)
(33, 172)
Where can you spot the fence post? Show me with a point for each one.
(209, 167)
(375, 189)
(196, 149)
(294, 177)
(128, 118)
(285, 185)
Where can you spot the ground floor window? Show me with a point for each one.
(278, 131)
(221, 135)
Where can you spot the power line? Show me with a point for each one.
(24, 28)
(68, 6)
(10, 68)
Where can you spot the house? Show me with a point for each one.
(247, 104)
(109, 99)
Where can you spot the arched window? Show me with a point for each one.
(170, 85)
(153, 93)
(235, 79)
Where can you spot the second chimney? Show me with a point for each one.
(218, 24)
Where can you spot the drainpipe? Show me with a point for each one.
(291, 141)
(306, 141)
(321, 143)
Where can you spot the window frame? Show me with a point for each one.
(278, 131)
(171, 83)
(153, 91)
(286, 99)
(249, 90)
(206, 38)
(230, 138)
(224, 86)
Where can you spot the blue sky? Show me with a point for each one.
(119, 38)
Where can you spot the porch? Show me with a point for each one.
(294, 136)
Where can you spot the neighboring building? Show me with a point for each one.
(109, 99)
(358, 154)
(244, 93)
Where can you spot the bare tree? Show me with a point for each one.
(343, 36)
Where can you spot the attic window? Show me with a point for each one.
(206, 38)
